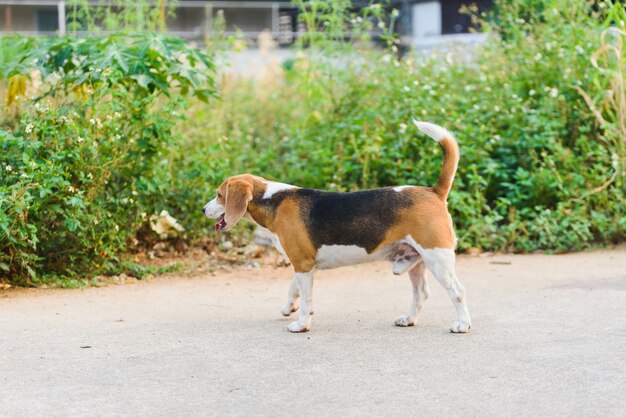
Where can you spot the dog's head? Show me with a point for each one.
(231, 202)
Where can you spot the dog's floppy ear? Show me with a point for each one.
(238, 194)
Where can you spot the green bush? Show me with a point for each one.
(538, 169)
(108, 138)
(84, 163)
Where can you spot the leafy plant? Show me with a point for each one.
(84, 161)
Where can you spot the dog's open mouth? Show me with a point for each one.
(221, 223)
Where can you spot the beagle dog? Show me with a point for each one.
(407, 225)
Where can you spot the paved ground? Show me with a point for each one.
(548, 339)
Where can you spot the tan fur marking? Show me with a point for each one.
(291, 231)
(427, 221)
(238, 194)
(450, 161)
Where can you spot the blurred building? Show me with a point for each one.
(420, 23)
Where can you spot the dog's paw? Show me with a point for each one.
(460, 327)
(404, 321)
(288, 310)
(296, 326)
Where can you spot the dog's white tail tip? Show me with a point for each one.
(436, 132)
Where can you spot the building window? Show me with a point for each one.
(454, 22)
(47, 20)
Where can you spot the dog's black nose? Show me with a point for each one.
(203, 209)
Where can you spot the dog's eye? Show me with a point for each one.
(219, 195)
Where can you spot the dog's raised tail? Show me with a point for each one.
(450, 155)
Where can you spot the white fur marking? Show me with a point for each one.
(331, 256)
(305, 288)
(275, 187)
(213, 209)
(436, 132)
(440, 262)
(400, 188)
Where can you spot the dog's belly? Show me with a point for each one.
(331, 256)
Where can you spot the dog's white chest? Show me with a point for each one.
(331, 256)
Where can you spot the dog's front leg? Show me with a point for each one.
(305, 287)
(292, 298)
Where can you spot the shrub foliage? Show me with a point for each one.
(83, 161)
(97, 132)
(538, 112)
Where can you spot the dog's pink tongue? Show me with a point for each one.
(220, 224)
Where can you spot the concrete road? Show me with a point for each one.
(548, 339)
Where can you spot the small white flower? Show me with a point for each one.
(416, 83)
(32, 164)
(395, 13)
(90, 176)
(29, 128)
(531, 92)
(554, 92)
(71, 189)
(406, 88)
(381, 24)
(134, 192)
(117, 228)
(496, 108)
(95, 222)
(80, 139)
(538, 56)
(95, 143)
(8, 168)
(402, 127)
(144, 215)
(92, 121)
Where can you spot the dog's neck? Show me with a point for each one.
(260, 215)
(263, 210)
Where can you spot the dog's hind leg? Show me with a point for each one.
(420, 294)
(292, 299)
(440, 261)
